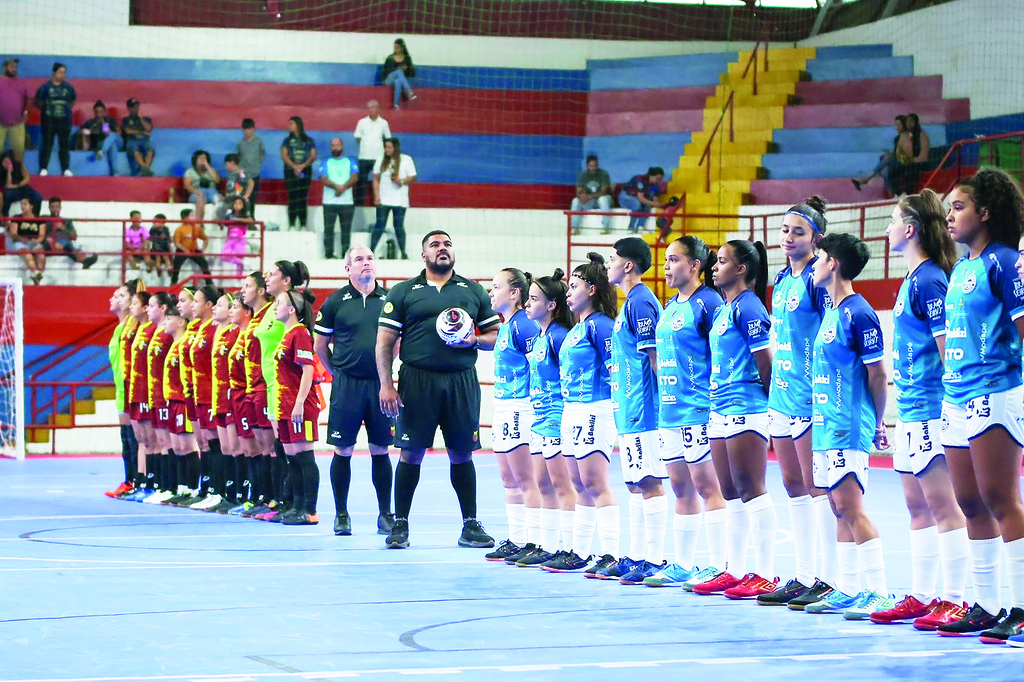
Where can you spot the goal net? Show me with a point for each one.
(12, 368)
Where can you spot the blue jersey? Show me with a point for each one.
(983, 347)
(684, 358)
(545, 386)
(919, 317)
(511, 362)
(797, 309)
(634, 382)
(584, 358)
(741, 329)
(850, 338)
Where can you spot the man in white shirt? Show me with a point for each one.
(339, 175)
(392, 175)
(371, 131)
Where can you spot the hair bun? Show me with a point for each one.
(595, 257)
(558, 274)
(817, 203)
(528, 276)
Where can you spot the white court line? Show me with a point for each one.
(151, 566)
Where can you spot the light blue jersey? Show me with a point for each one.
(849, 339)
(741, 329)
(684, 358)
(584, 358)
(797, 309)
(634, 382)
(919, 317)
(511, 361)
(545, 386)
(983, 347)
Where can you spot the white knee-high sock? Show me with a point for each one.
(827, 540)
(848, 568)
(805, 537)
(765, 522)
(955, 550)
(985, 572)
(608, 529)
(637, 537)
(584, 523)
(737, 535)
(655, 521)
(1015, 571)
(533, 525)
(924, 562)
(517, 523)
(565, 530)
(872, 565)
(685, 528)
(550, 520)
(714, 527)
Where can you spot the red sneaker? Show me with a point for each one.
(909, 609)
(119, 490)
(751, 585)
(943, 613)
(721, 583)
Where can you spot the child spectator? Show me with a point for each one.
(160, 244)
(137, 145)
(55, 99)
(398, 69)
(27, 236)
(14, 177)
(201, 183)
(63, 236)
(101, 134)
(136, 242)
(190, 241)
(236, 246)
(251, 154)
(239, 184)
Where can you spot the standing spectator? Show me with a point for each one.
(55, 99)
(14, 177)
(239, 183)
(593, 190)
(14, 99)
(392, 176)
(371, 131)
(339, 176)
(201, 183)
(63, 236)
(101, 134)
(136, 242)
(251, 154)
(190, 240)
(160, 244)
(298, 151)
(27, 236)
(137, 144)
(641, 194)
(398, 69)
(236, 246)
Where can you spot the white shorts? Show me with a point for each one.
(588, 428)
(917, 444)
(832, 466)
(548, 446)
(640, 457)
(962, 424)
(783, 426)
(512, 419)
(688, 444)
(724, 426)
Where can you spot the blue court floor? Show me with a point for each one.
(99, 589)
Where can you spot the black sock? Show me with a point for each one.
(266, 479)
(126, 453)
(283, 490)
(133, 446)
(192, 466)
(139, 479)
(310, 479)
(294, 482)
(168, 470)
(380, 474)
(242, 481)
(181, 465)
(216, 483)
(204, 471)
(277, 467)
(150, 471)
(341, 478)
(407, 476)
(464, 481)
(228, 474)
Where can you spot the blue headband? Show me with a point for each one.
(806, 217)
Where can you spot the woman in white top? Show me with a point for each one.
(392, 175)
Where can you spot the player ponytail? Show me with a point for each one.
(302, 302)
(554, 288)
(926, 213)
(520, 281)
(697, 250)
(994, 190)
(165, 300)
(134, 286)
(755, 258)
(595, 274)
(295, 271)
(812, 209)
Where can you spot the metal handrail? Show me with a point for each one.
(957, 147)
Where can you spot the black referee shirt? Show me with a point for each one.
(351, 320)
(412, 308)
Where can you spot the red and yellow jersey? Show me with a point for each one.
(254, 382)
(293, 353)
(223, 340)
(186, 356)
(174, 389)
(236, 364)
(202, 363)
(156, 358)
(128, 332)
(138, 385)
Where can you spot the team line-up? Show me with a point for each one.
(693, 391)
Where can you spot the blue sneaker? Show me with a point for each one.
(672, 575)
(640, 572)
(140, 495)
(834, 602)
(1016, 641)
(868, 602)
(701, 576)
(244, 507)
(616, 569)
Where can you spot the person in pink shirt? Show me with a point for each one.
(14, 99)
(136, 242)
(236, 246)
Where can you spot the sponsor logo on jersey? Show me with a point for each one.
(462, 284)
(969, 283)
(644, 326)
(503, 344)
(829, 335)
(417, 286)
(389, 307)
(793, 302)
(677, 324)
(870, 338)
(785, 347)
(754, 328)
(346, 297)
(898, 308)
(777, 297)
(618, 326)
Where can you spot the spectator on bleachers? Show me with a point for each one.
(56, 100)
(641, 194)
(236, 245)
(63, 235)
(26, 236)
(239, 184)
(201, 183)
(392, 175)
(398, 69)
(190, 240)
(14, 177)
(101, 134)
(298, 151)
(339, 176)
(137, 144)
(593, 191)
(921, 144)
(136, 242)
(160, 244)
(890, 161)
(371, 131)
(14, 99)
(251, 154)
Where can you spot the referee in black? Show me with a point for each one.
(437, 383)
(346, 332)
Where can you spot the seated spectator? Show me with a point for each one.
(190, 241)
(160, 244)
(14, 177)
(398, 69)
(239, 184)
(641, 194)
(26, 236)
(921, 144)
(889, 161)
(201, 183)
(101, 134)
(137, 145)
(251, 154)
(236, 246)
(136, 242)
(63, 236)
(593, 191)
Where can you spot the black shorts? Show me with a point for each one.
(355, 402)
(450, 400)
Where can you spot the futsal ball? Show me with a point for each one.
(454, 325)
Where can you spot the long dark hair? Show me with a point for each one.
(211, 293)
(696, 249)
(165, 299)
(594, 273)
(995, 190)
(302, 301)
(133, 286)
(301, 128)
(553, 287)
(755, 257)
(925, 211)
(261, 283)
(915, 133)
(394, 161)
(517, 279)
(295, 271)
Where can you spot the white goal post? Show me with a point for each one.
(12, 369)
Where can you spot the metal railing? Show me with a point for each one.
(957, 149)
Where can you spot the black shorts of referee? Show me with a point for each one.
(356, 401)
(449, 400)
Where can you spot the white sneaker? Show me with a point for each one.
(44, 172)
(68, 173)
(208, 503)
(159, 496)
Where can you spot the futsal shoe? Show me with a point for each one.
(818, 591)
(943, 613)
(241, 509)
(141, 495)
(119, 490)
(752, 585)
(503, 551)
(783, 595)
(672, 575)
(534, 559)
(224, 507)
(131, 491)
(975, 620)
(641, 571)
(909, 608)
(159, 496)
(261, 508)
(206, 503)
(474, 535)
(701, 576)
(869, 602)
(278, 514)
(616, 569)
(300, 518)
(565, 562)
(597, 565)
(720, 583)
(342, 524)
(192, 497)
(1010, 626)
(834, 602)
(1016, 641)
(182, 494)
(398, 538)
(385, 522)
(525, 550)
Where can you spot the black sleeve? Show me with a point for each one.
(324, 324)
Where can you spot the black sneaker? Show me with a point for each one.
(89, 261)
(258, 509)
(785, 594)
(565, 562)
(603, 562)
(398, 538)
(535, 558)
(474, 535)
(342, 524)
(283, 513)
(189, 500)
(1011, 625)
(224, 507)
(819, 590)
(385, 522)
(975, 620)
(503, 551)
(525, 550)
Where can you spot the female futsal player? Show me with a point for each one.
(233, 474)
(138, 389)
(241, 316)
(156, 357)
(269, 466)
(201, 351)
(186, 307)
(116, 352)
(183, 440)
